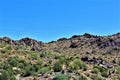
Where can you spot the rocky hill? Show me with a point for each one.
(81, 57)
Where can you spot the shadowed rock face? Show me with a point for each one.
(35, 45)
(6, 40)
(74, 45)
(29, 41)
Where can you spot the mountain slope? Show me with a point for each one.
(81, 56)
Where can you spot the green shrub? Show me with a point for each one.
(83, 78)
(44, 70)
(7, 75)
(60, 77)
(95, 71)
(34, 55)
(99, 68)
(39, 62)
(57, 66)
(42, 54)
(84, 67)
(18, 47)
(78, 64)
(105, 73)
(26, 73)
(22, 64)
(35, 68)
(1, 45)
(114, 79)
(13, 61)
(118, 70)
(7, 66)
(62, 59)
(8, 47)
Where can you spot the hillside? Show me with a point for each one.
(81, 57)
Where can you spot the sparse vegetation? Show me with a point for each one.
(61, 60)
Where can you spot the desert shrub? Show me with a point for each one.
(104, 73)
(22, 63)
(35, 68)
(99, 68)
(34, 55)
(13, 61)
(12, 78)
(42, 54)
(84, 67)
(62, 59)
(95, 71)
(49, 55)
(60, 77)
(57, 66)
(83, 78)
(26, 73)
(77, 64)
(43, 70)
(8, 47)
(39, 62)
(1, 45)
(1, 65)
(7, 66)
(7, 75)
(118, 70)
(73, 67)
(18, 47)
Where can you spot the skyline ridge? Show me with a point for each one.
(79, 35)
